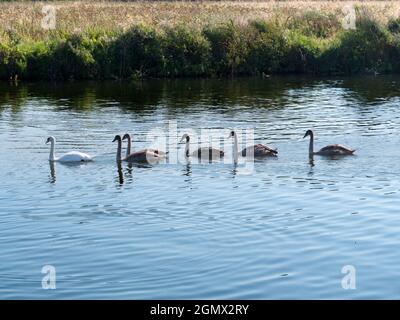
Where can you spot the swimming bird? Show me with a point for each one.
(127, 136)
(258, 150)
(203, 153)
(73, 156)
(144, 156)
(330, 150)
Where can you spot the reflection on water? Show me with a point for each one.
(178, 95)
(52, 172)
(120, 173)
(311, 160)
(281, 229)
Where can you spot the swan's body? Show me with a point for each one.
(73, 156)
(207, 153)
(329, 150)
(127, 136)
(144, 156)
(258, 150)
(334, 150)
(202, 153)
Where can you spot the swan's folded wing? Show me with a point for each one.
(75, 156)
(208, 153)
(158, 152)
(145, 156)
(265, 149)
(259, 150)
(335, 149)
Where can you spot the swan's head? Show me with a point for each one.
(117, 138)
(231, 134)
(126, 136)
(185, 138)
(308, 133)
(50, 140)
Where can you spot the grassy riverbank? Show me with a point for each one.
(118, 40)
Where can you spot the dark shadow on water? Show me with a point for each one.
(234, 170)
(13, 97)
(187, 174)
(336, 157)
(52, 167)
(182, 95)
(52, 177)
(127, 177)
(311, 161)
(129, 172)
(311, 164)
(370, 89)
(120, 173)
(187, 169)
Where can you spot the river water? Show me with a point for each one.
(278, 228)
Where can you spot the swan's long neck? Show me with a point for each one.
(235, 149)
(311, 147)
(119, 150)
(128, 149)
(187, 149)
(52, 156)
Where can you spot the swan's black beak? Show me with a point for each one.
(305, 135)
(184, 138)
(47, 141)
(115, 139)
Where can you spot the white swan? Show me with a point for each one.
(73, 156)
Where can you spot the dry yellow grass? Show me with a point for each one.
(24, 18)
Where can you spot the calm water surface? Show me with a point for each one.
(201, 230)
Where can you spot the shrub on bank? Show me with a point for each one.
(267, 48)
(229, 49)
(303, 54)
(368, 48)
(12, 62)
(137, 52)
(187, 53)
